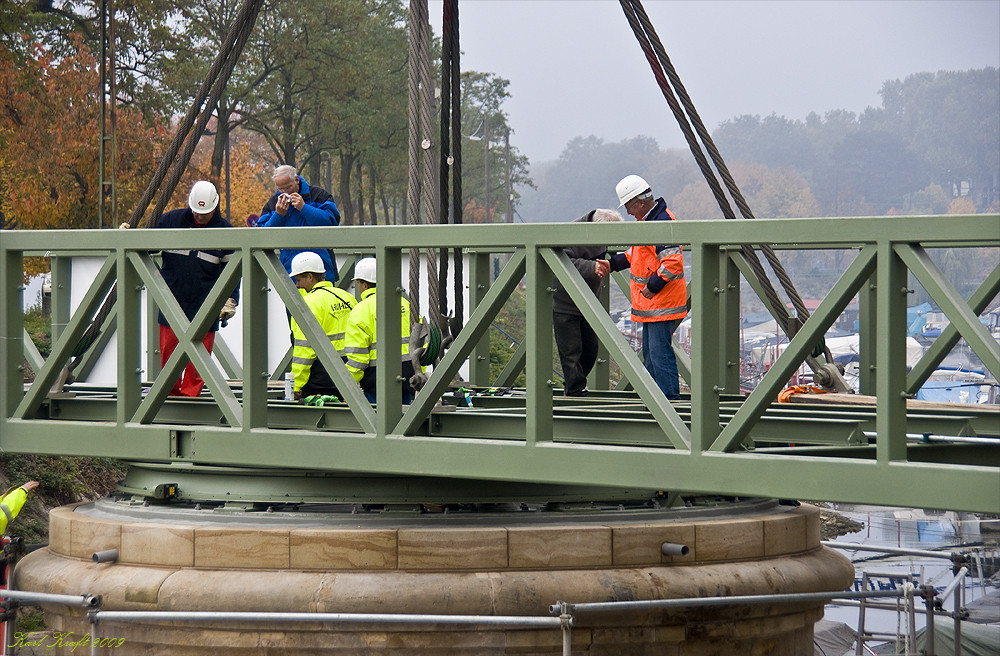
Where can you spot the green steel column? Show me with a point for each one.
(62, 285)
(708, 298)
(11, 331)
(479, 284)
(538, 341)
(152, 338)
(129, 335)
(732, 337)
(388, 326)
(253, 299)
(890, 362)
(868, 336)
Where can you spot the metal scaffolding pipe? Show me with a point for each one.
(220, 616)
(691, 602)
(943, 439)
(84, 601)
(947, 555)
(955, 582)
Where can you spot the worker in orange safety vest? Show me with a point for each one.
(658, 289)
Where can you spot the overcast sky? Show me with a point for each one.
(575, 68)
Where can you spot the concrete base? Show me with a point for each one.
(502, 564)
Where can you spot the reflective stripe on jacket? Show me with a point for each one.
(331, 306)
(359, 342)
(661, 270)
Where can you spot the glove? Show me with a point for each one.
(228, 311)
(124, 226)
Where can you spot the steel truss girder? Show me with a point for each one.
(698, 447)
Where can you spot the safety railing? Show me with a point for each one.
(564, 616)
(709, 443)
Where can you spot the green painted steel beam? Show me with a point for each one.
(280, 487)
(31, 354)
(797, 233)
(966, 486)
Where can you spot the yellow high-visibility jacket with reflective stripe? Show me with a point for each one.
(359, 342)
(331, 306)
(11, 503)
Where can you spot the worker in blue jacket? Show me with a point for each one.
(296, 204)
(190, 275)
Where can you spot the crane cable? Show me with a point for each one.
(211, 88)
(662, 69)
(420, 198)
(451, 162)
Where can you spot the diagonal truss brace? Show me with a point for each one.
(478, 324)
(70, 337)
(937, 352)
(189, 339)
(642, 381)
(348, 387)
(948, 299)
(812, 330)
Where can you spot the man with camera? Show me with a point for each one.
(297, 204)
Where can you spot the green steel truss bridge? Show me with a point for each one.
(534, 443)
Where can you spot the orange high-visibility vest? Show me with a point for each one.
(668, 263)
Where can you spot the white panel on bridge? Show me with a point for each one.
(105, 372)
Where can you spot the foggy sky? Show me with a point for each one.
(575, 68)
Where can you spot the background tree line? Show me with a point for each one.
(931, 148)
(319, 85)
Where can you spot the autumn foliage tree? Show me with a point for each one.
(49, 140)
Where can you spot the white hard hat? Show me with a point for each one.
(204, 198)
(365, 270)
(630, 187)
(307, 262)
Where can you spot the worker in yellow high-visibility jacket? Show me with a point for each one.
(359, 341)
(12, 502)
(331, 306)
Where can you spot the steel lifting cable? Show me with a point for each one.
(421, 174)
(230, 51)
(699, 156)
(717, 159)
(660, 64)
(457, 202)
(427, 159)
(211, 88)
(451, 161)
(445, 140)
(413, 154)
(419, 123)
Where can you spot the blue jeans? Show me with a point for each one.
(658, 355)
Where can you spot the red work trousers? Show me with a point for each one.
(190, 383)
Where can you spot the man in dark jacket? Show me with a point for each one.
(575, 339)
(296, 204)
(190, 275)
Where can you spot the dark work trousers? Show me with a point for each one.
(577, 344)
